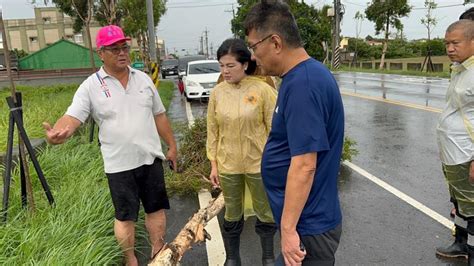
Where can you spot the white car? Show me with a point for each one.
(201, 77)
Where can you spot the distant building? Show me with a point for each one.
(161, 53)
(62, 54)
(374, 42)
(47, 27)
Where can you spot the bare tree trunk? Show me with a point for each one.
(146, 54)
(385, 44)
(110, 11)
(193, 232)
(91, 51)
(88, 29)
(140, 48)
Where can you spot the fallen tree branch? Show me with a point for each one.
(192, 233)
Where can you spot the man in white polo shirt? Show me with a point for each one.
(125, 104)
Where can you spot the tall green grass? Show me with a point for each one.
(39, 104)
(78, 230)
(48, 104)
(166, 92)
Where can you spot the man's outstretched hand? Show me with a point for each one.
(56, 136)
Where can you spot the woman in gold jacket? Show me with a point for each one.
(239, 117)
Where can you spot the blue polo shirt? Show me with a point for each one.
(308, 117)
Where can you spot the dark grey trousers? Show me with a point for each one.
(320, 249)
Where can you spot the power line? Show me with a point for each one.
(197, 6)
(347, 2)
(413, 8)
(418, 8)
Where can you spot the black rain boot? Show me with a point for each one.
(266, 231)
(231, 237)
(458, 249)
(470, 259)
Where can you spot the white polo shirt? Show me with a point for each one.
(127, 130)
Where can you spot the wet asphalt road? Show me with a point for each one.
(396, 144)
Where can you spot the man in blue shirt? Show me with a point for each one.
(301, 159)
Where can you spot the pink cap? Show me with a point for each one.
(109, 35)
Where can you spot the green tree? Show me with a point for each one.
(108, 13)
(130, 14)
(19, 53)
(81, 11)
(359, 17)
(386, 14)
(314, 24)
(364, 50)
(429, 20)
(134, 21)
(436, 46)
(399, 48)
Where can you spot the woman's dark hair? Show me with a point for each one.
(468, 14)
(238, 49)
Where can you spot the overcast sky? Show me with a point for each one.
(186, 20)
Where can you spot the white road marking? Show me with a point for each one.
(380, 99)
(189, 114)
(215, 246)
(436, 216)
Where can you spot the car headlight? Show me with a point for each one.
(191, 83)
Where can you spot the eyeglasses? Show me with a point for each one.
(117, 49)
(253, 46)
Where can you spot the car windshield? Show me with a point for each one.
(183, 61)
(172, 62)
(204, 68)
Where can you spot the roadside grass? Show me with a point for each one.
(39, 104)
(193, 165)
(165, 89)
(396, 72)
(78, 230)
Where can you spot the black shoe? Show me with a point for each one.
(455, 250)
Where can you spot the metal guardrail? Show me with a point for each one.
(35, 74)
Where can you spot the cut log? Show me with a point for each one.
(192, 233)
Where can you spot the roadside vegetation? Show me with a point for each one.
(39, 104)
(78, 230)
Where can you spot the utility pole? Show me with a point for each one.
(151, 30)
(233, 18)
(201, 47)
(207, 42)
(212, 48)
(336, 33)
